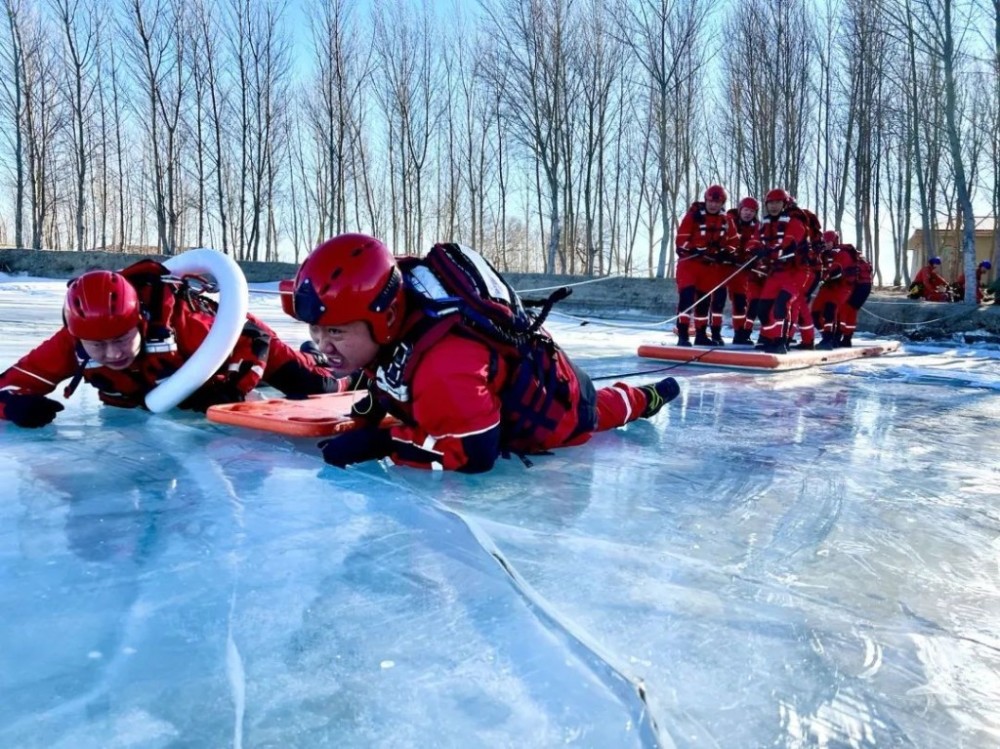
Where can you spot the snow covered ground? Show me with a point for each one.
(807, 559)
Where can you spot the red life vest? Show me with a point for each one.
(454, 290)
(161, 357)
(747, 231)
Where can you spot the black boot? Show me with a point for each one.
(826, 344)
(701, 338)
(775, 345)
(659, 395)
(682, 335)
(717, 336)
(804, 346)
(845, 341)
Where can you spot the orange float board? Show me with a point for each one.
(315, 416)
(738, 357)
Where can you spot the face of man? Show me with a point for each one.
(115, 353)
(747, 214)
(349, 346)
(714, 206)
(775, 207)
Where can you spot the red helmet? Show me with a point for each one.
(831, 236)
(716, 193)
(101, 304)
(778, 194)
(750, 203)
(350, 277)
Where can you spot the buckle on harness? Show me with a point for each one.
(390, 377)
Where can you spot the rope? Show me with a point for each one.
(913, 324)
(692, 360)
(519, 291)
(570, 285)
(669, 320)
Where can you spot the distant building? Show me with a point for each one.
(948, 246)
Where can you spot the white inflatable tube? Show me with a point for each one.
(225, 330)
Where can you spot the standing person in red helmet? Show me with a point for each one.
(837, 273)
(745, 286)
(706, 238)
(452, 354)
(784, 232)
(124, 332)
(861, 276)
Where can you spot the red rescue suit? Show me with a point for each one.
(454, 410)
(746, 286)
(170, 335)
(930, 285)
(705, 241)
(837, 274)
(785, 238)
(809, 268)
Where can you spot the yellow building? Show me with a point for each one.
(948, 246)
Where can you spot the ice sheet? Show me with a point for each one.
(807, 559)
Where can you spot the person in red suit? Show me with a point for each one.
(462, 397)
(861, 275)
(929, 284)
(706, 239)
(981, 271)
(808, 274)
(743, 287)
(124, 332)
(784, 234)
(837, 274)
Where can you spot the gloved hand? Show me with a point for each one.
(212, 393)
(29, 411)
(310, 348)
(356, 446)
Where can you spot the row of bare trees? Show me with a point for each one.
(564, 135)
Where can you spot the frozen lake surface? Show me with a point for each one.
(807, 559)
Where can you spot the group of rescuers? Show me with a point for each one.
(463, 393)
(781, 269)
(465, 387)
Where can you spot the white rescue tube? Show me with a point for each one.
(222, 336)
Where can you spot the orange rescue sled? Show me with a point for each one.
(737, 357)
(315, 416)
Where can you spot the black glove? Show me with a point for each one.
(356, 446)
(212, 393)
(29, 411)
(310, 348)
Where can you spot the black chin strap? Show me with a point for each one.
(77, 376)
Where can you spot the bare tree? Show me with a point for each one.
(666, 39)
(79, 25)
(406, 48)
(12, 85)
(600, 58)
(157, 40)
(935, 28)
(530, 71)
(42, 123)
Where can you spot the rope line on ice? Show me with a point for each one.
(920, 324)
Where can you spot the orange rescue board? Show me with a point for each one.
(738, 357)
(315, 416)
